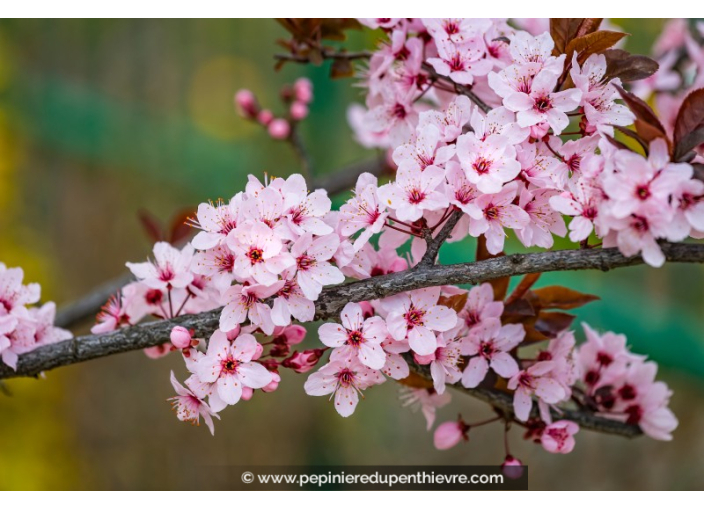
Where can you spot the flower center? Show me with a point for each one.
(255, 255)
(416, 196)
(355, 338)
(345, 378)
(229, 365)
(414, 317)
(482, 165)
(491, 212)
(304, 262)
(543, 104)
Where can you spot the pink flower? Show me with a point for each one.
(558, 437)
(112, 315)
(456, 30)
(583, 205)
(489, 345)
(229, 365)
(424, 151)
(541, 104)
(415, 315)
(304, 212)
(535, 52)
(536, 380)
(216, 221)
(488, 163)
(450, 122)
(303, 90)
(481, 307)
(356, 337)
(414, 192)
(279, 129)
(311, 261)
(259, 253)
(450, 433)
(363, 211)
(544, 220)
(189, 407)
(491, 213)
(247, 301)
(14, 295)
(290, 301)
(216, 264)
(346, 378)
(170, 269)
(443, 362)
(461, 62)
(427, 400)
(638, 233)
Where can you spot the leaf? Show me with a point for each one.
(523, 286)
(589, 44)
(552, 324)
(456, 302)
(632, 134)
(621, 64)
(518, 311)
(647, 124)
(616, 143)
(500, 285)
(151, 225)
(562, 298)
(180, 229)
(689, 126)
(563, 30)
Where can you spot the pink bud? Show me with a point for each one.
(234, 333)
(367, 309)
(539, 130)
(294, 334)
(258, 351)
(299, 111)
(158, 351)
(246, 103)
(247, 393)
(450, 433)
(303, 90)
(279, 129)
(302, 362)
(275, 380)
(180, 337)
(512, 467)
(265, 117)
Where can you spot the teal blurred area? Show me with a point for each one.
(102, 118)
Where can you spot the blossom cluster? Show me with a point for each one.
(475, 116)
(23, 327)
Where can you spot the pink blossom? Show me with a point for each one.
(305, 211)
(414, 191)
(427, 400)
(189, 407)
(14, 295)
(216, 221)
(481, 307)
(583, 204)
(356, 337)
(488, 163)
(311, 260)
(461, 62)
(459, 190)
(229, 365)
(444, 361)
(346, 378)
(363, 211)
(259, 253)
(456, 30)
(246, 301)
(558, 437)
(492, 213)
(424, 151)
(180, 337)
(279, 129)
(544, 220)
(415, 315)
(489, 345)
(170, 269)
(534, 380)
(290, 301)
(216, 264)
(302, 362)
(535, 52)
(541, 104)
(451, 121)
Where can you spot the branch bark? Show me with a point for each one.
(333, 299)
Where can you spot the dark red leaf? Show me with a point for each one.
(562, 298)
(152, 226)
(621, 64)
(689, 126)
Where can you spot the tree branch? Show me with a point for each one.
(333, 299)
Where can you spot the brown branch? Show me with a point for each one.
(460, 89)
(333, 299)
(433, 244)
(327, 55)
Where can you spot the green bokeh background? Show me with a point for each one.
(99, 119)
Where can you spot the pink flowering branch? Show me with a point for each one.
(333, 299)
(86, 307)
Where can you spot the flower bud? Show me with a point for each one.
(274, 384)
(303, 90)
(302, 362)
(180, 337)
(279, 129)
(246, 103)
(299, 111)
(512, 467)
(450, 433)
(265, 117)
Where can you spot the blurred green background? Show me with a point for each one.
(99, 119)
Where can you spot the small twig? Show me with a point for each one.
(295, 141)
(433, 244)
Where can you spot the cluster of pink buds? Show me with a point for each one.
(295, 97)
(23, 327)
